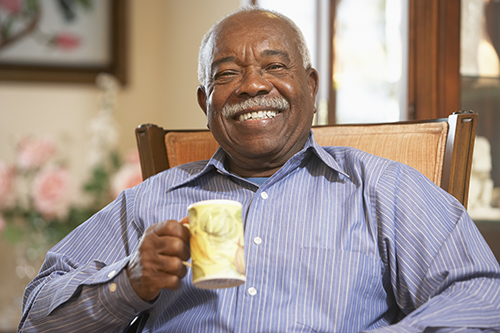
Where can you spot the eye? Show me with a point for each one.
(275, 67)
(225, 75)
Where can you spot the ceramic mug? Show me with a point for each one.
(217, 244)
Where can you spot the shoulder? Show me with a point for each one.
(378, 174)
(172, 177)
(360, 166)
(153, 189)
(353, 156)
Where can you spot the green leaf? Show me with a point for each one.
(5, 29)
(87, 4)
(116, 160)
(13, 233)
(31, 7)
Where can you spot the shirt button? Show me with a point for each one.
(252, 291)
(111, 274)
(264, 195)
(112, 287)
(257, 240)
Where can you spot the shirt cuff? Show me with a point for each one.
(120, 299)
(398, 328)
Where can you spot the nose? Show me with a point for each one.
(253, 84)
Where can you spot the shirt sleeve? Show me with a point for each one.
(82, 285)
(443, 275)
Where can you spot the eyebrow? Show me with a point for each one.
(217, 62)
(268, 53)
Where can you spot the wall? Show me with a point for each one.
(164, 41)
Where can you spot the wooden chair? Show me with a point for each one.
(441, 149)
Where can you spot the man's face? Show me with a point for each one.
(257, 77)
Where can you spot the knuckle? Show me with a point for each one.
(173, 282)
(176, 267)
(176, 245)
(173, 264)
(170, 226)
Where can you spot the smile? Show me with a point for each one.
(257, 115)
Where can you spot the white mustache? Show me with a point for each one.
(279, 103)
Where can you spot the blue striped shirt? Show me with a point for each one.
(337, 240)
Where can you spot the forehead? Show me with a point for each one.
(253, 29)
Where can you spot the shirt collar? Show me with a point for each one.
(323, 155)
(218, 161)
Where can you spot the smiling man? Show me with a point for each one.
(336, 240)
(258, 91)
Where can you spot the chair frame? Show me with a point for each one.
(457, 157)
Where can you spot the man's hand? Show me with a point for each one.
(157, 262)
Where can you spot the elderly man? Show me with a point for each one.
(337, 240)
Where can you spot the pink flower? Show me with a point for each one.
(128, 176)
(132, 157)
(52, 191)
(12, 6)
(66, 41)
(7, 189)
(33, 153)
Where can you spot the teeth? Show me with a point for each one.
(257, 115)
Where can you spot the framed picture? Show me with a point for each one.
(62, 41)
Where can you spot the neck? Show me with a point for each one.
(247, 171)
(245, 164)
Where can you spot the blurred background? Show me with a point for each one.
(72, 91)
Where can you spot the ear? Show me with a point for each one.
(202, 98)
(313, 82)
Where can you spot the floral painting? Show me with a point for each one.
(53, 31)
(55, 37)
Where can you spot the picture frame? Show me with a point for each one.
(31, 62)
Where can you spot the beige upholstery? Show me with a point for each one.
(420, 146)
(184, 147)
(441, 149)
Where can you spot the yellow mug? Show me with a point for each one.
(217, 244)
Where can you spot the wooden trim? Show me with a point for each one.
(119, 39)
(152, 151)
(411, 61)
(332, 94)
(434, 58)
(449, 57)
(458, 154)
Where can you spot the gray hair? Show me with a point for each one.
(204, 54)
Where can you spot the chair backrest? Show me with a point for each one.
(441, 149)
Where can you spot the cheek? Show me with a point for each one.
(293, 88)
(210, 119)
(214, 120)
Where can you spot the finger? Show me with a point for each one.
(154, 283)
(172, 246)
(171, 228)
(156, 268)
(173, 266)
(169, 281)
